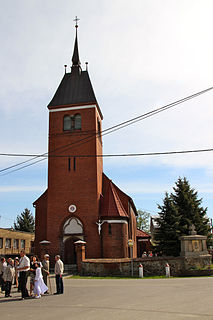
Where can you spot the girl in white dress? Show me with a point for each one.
(39, 287)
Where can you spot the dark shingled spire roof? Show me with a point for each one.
(75, 58)
(75, 87)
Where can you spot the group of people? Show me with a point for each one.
(17, 271)
(147, 254)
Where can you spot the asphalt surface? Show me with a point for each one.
(87, 299)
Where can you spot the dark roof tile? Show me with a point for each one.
(75, 88)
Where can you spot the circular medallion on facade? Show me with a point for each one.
(72, 208)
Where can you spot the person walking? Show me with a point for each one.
(39, 287)
(23, 267)
(45, 268)
(8, 277)
(16, 279)
(59, 269)
(33, 261)
(3, 266)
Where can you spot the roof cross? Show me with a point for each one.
(76, 21)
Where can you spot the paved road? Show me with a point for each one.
(190, 298)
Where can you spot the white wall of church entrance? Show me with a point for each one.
(72, 232)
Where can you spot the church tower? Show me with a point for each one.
(81, 202)
(69, 209)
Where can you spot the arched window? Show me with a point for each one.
(77, 122)
(73, 226)
(67, 123)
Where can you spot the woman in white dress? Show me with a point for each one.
(40, 287)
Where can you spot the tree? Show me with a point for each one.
(25, 222)
(180, 210)
(167, 236)
(189, 207)
(143, 220)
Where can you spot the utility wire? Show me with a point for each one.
(136, 119)
(115, 155)
(111, 129)
(109, 155)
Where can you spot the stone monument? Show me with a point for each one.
(194, 250)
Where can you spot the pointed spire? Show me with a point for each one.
(75, 58)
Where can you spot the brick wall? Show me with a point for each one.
(80, 185)
(114, 240)
(154, 266)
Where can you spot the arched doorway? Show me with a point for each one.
(72, 232)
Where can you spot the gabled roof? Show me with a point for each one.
(125, 198)
(44, 194)
(114, 202)
(142, 234)
(111, 204)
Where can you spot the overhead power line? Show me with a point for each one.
(106, 131)
(109, 155)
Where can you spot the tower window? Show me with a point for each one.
(67, 123)
(110, 229)
(69, 164)
(72, 122)
(74, 163)
(77, 121)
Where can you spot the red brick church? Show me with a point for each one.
(81, 202)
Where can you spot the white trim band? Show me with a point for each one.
(73, 108)
(99, 223)
(115, 221)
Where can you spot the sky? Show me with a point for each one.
(142, 54)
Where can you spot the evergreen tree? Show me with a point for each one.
(189, 207)
(25, 222)
(143, 220)
(167, 236)
(180, 210)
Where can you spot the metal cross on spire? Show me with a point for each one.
(76, 21)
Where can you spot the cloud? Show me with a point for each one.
(134, 65)
(141, 56)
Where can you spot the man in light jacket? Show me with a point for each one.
(8, 277)
(3, 266)
(59, 269)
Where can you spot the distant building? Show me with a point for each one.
(81, 202)
(153, 226)
(12, 241)
(143, 242)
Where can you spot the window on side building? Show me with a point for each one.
(15, 243)
(22, 244)
(1, 243)
(8, 243)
